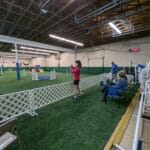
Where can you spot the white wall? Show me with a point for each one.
(92, 57)
(38, 61)
(11, 62)
(118, 52)
(66, 59)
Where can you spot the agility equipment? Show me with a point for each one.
(37, 77)
(68, 71)
(38, 68)
(24, 72)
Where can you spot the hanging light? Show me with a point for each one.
(25, 57)
(114, 27)
(29, 52)
(38, 49)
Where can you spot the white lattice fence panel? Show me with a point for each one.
(14, 104)
(50, 94)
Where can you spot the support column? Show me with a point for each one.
(17, 63)
(103, 59)
(2, 69)
(88, 61)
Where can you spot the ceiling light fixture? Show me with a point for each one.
(66, 40)
(25, 57)
(29, 52)
(114, 27)
(37, 49)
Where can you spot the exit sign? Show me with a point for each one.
(135, 49)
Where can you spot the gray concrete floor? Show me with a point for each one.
(127, 139)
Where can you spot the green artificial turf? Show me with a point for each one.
(9, 83)
(83, 124)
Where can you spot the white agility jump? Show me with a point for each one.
(50, 76)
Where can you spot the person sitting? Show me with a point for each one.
(117, 89)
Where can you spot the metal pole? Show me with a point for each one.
(88, 62)
(101, 10)
(103, 61)
(1, 64)
(17, 63)
(136, 73)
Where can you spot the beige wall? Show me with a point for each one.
(10, 62)
(118, 52)
(92, 57)
(38, 61)
(65, 60)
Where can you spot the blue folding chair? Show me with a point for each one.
(116, 94)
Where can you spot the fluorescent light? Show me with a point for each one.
(115, 28)
(29, 52)
(37, 49)
(25, 57)
(66, 40)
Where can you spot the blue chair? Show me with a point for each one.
(113, 92)
(116, 94)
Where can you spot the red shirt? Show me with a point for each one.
(75, 72)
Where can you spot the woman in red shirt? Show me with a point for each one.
(75, 70)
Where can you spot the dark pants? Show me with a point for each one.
(105, 93)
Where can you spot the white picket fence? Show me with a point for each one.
(144, 79)
(147, 93)
(19, 103)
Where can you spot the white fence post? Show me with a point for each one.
(31, 99)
